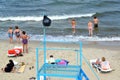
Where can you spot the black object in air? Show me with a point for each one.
(46, 21)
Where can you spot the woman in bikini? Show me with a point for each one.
(17, 33)
(10, 34)
(90, 28)
(25, 38)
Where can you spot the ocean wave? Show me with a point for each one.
(39, 18)
(106, 13)
(73, 38)
(65, 2)
(111, 1)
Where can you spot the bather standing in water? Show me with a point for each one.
(17, 33)
(10, 34)
(73, 23)
(90, 28)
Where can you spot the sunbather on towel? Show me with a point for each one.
(103, 64)
(52, 60)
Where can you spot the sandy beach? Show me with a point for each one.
(91, 50)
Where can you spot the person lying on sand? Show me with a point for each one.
(9, 67)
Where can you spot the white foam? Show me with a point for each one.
(66, 38)
(39, 18)
(58, 17)
(74, 38)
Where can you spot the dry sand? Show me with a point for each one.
(91, 50)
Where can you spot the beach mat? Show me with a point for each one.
(21, 69)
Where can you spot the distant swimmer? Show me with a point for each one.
(73, 23)
(96, 21)
(90, 28)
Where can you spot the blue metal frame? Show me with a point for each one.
(44, 48)
(44, 45)
(37, 64)
(59, 71)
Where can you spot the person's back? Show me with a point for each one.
(25, 38)
(90, 28)
(90, 25)
(96, 21)
(17, 33)
(10, 34)
(10, 30)
(73, 23)
(105, 65)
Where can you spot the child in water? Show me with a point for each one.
(25, 38)
(10, 34)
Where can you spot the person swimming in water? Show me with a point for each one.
(17, 33)
(10, 34)
(25, 38)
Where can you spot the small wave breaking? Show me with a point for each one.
(39, 18)
(73, 38)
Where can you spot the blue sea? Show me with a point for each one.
(28, 15)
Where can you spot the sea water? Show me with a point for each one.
(28, 15)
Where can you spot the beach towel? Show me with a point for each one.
(63, 62)
(18, 47)
(14, 52)
(21, 69)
